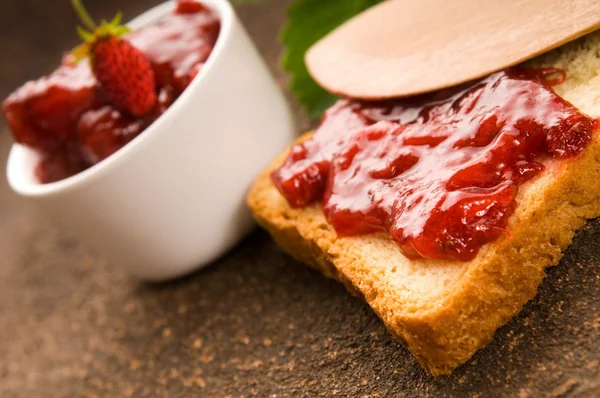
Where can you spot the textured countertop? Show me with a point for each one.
(256, 323)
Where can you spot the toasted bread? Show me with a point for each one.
(444, 311)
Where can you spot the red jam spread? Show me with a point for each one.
(67, 118)
(440, 173)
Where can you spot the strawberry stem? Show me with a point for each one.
(116, 21)
(85, 18)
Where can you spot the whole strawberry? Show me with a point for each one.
(123, 71)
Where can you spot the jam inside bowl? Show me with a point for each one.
(69, 119)
(172, 199)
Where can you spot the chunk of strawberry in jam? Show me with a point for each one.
(568, 140)
(166, 96)
(64, 163)
(467, 224)
(43, 114)
(189, 7)
(178, 46)
(102, 132)
(303, 176)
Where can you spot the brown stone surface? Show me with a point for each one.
(256, 323)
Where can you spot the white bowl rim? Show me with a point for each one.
(225, 12)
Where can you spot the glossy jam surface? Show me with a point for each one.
(441, 173)
(67, 118)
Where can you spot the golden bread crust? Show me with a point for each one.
(489, 290)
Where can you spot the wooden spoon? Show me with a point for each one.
(407, 47)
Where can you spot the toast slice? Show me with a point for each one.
(444, 311)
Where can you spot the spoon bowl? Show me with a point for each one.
(407, 47)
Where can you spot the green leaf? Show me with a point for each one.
(84, 34)
(116, 21)
(122, 30)
(87, 21)
(309, 21)
(80, 52)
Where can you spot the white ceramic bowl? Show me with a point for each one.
(173, 199)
